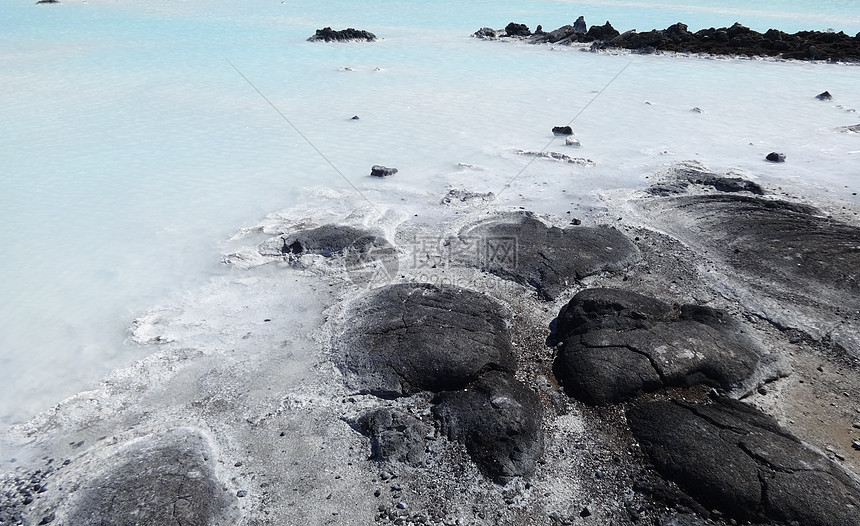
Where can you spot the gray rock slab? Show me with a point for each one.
(332, 240)
(499, 420)
(523, 249)
(735, 459)
(395, 436)
(787, 261)
(167, 479)
(405, 338)
(616, 345)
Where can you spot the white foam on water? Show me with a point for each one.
(133, 152)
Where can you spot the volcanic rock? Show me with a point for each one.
(327, 34)
(382, 171)
(616, 345)
(499, 420)
(517, 30)
(775, 157)
(523, 249)
(824, 96)
(168, 478)
(336, 240)
(579, 26)
(395, 436)
(732, 458)
(405, 338)
(562, 130)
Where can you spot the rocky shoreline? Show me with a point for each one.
(694, 363)
(677, 38)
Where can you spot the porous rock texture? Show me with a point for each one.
(499, 420)
(737, 460)
(407, 338)
(167, 478)
(550, 259)
(616, 345)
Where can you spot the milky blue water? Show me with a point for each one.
(131, 149)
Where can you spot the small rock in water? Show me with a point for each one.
(824, 96)
(698, 110)
(382, 171)
(562, 130)
(776, 157)
(573, 141)
(355, 117)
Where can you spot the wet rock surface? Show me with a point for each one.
(328, 34)
(158, 479)
(734, 40)
(735, 459)
(499, 419)
(407, 338)
(550, 259)
(616, 345)
(332, 240)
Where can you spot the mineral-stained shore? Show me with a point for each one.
(695, 363)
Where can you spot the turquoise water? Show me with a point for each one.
(132, 150)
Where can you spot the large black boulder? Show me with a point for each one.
(523, 249)
(517, 30)
(499, 420)
(616, 345)
(405, 338)
(734, 459)
(168, 478)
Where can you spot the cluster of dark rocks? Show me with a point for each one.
(349, 34)
(734, 40)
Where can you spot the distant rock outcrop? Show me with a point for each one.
(378, 170)
(328, 34)
(734, 40)
(734, 459)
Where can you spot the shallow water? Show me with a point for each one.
(132, 149)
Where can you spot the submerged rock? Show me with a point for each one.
(558, 156)
(405, 338)
(523, 249)
(616, 345)
(499, 420)
(733, 458)
(349, 34)
(168, 478)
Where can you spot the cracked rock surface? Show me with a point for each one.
(733, 458)
(616, 345)
(551, 259)
(499, 420)
(406, 338)
(159, 479)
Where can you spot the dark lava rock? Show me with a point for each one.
(327, 34)
(617, 345)
(487, 33)
(405, 338)
(604, 32)
(579, 26)
(395, 436)
(732, 458)
(824, 96)
(562, 130)
(523, 249)
(775, 157)
(499, 420)
(336, 240)
(168, 478)
(517, 30)
(382, 171)
(696, 173)
(48, 2)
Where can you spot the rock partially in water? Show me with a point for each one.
(378, 170)
(405, 338)
(616, 345)
(168, 478)
(349, 34)
(824, 96)
(733, 458)
(517, 30)
(499, 420)
(562, 130)
(579, 26)
(775, 157)
(335, 240)
(523, 249)
(395, 436)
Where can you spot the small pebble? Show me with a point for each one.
(241, 493)
(856, 445)
(856, 425)
(401, 505)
